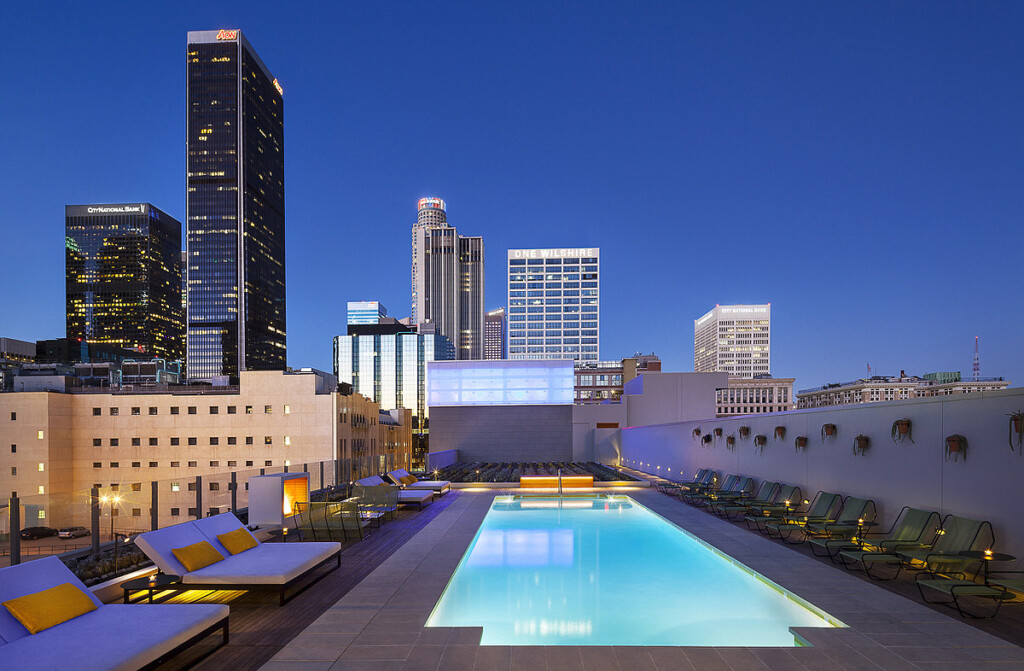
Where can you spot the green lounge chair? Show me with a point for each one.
(304, 523)
(909, 531)
(762, 513)
(728, 508)
(710, 480)
(833, 536)
(671, 487)
(824, 508)
(696, 495)
(956, 535)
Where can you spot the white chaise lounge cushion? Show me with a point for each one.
(265, 564)
(158, 545)
(211, 527)
(116, 636)
(29, 578)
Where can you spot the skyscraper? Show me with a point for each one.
(430, 213)
(123, 277)
(366, 312)
(554, 303)
(448, 280)
(494, 335)
(735, 339)
(235, 209)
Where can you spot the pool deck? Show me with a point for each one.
(378, 624)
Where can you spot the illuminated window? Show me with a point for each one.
(267, 409)
(41, 514)
(39, 434)
(287, 440)
(42, 467)
(287, 409)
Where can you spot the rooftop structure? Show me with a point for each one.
(755, 396)
(602, 381)
(495, 344)
(895, 388)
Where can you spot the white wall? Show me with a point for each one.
(988, 485)
(659, 398)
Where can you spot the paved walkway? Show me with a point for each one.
(378, 625)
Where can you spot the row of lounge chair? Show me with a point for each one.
(948, 554)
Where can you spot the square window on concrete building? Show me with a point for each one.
(97, 464)
(136, 410)
(191, 486)
(248, 463)
(214, 486)
(232, 440)
(193, 464)
(268, 409)
(268, 462)
(97, 442)
(96, 411)
(115, 464)
(248, 409)
(191, 409)
(115, 411)
(153, 464)
(136, 486)
(193, 441)
(232, 464)
(191, 512)
(152, 411)
(175, 464)
(136, 442)
(175, 486)
(175, 441)
(267, 440)
(136, 464)
(174, 410)
(214, 440)
(153, 442)
(114, 442)
(136, 512)
(248, 440)
(232, 409)
(214, 464)
(175, 512)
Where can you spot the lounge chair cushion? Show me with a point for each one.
(158, 545)
(28, 578)
(265, 564)
(198, 555)
(237, 541)
(49, 607)
(115, 636)
(212, 527)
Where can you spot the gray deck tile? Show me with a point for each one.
(741, 659)
(423, 658)
(458, 658)
(777, 659)
(634, 658)
(366, 665)
(706, 659)
(377, 652)
(667, 658)
(274, 665)
(527, 658)
(599, 658)
(562, 658)
(493, 658)
(300, 653)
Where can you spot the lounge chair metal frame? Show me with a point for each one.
(887, 547)
(170, 654)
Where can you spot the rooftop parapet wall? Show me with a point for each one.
(984, 486)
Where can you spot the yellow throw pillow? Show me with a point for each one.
(196, 556)
(413, 478)
(406, 480)
(237, 541)
(50, 607)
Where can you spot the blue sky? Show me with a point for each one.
(858, 165)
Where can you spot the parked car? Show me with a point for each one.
(32, 533)
(73, 532)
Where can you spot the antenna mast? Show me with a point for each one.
(976, 369)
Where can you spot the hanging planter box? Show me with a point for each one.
(730, 442)
(705, 439)
(1017, 427)
(861, 444)
(900, 430)
(956, 448)
(828, 431)
(696, 433)
(780, 433)
(718, 432)
(801, 443)
(759, 442)
(744, 432)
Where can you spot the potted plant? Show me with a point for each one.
(730, 442)
(780, 433)
(956, 447)
(900, 430)
(744, 432)
(861, 444)
(759, 442)
(718, 432)
(705, 439)
(1017, 427)
(801, 443)
(696, 433)
(828, 431)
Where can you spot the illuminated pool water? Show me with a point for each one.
(608, 571)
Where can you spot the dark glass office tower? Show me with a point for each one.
(235, 209)
(123, 277)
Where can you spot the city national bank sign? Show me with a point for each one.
(552, 253)
(101, 210)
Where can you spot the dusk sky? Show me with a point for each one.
(860, 166)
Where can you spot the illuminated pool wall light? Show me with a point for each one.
(501, 410)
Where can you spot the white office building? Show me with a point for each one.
(734, 339)
(554, 303)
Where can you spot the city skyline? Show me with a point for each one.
(862, 187)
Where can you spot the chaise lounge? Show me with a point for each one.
(407, 480)
(259, 566)
(112, 636)
(407, 496)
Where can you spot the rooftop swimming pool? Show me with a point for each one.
(605, 570)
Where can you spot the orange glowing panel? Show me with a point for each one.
(295, 489)
(227, 35)
(551, 481)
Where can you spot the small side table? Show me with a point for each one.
(139, 584)
(986, 558)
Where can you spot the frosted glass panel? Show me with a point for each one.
(500, 382)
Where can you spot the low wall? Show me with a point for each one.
(984, 486)
(440, 459)
(496, 433)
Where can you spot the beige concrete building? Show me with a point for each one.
(882, 388)
(751, 397)
(602, 381)
(57, 446)
(734, 339)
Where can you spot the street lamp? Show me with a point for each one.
(113, 500)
